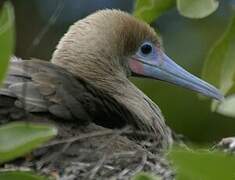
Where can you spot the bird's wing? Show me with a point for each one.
(40, 86)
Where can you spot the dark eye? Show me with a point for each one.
(146, 49)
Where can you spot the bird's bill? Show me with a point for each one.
(167, 70)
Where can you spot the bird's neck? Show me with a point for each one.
(148, 115)
(112, 80)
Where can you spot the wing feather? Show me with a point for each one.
(42, 87)
(39, 86)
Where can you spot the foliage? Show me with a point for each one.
(145, 176)
(150, 10)
(6, 36)
(219, 69)
(24, 175)
(19, 138)
(196, 9)
(202, 164)
(194, 164)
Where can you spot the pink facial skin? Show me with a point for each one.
(136, 66)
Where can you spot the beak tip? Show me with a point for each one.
(219, 97)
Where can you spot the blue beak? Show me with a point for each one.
(167, 70)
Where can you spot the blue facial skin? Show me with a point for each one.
(156, 64)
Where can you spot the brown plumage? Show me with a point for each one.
(86, 83)
(87, 79)
(97, 49)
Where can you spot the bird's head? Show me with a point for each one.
(111, 43)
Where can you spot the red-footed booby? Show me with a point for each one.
(87, 78)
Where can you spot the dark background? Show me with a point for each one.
(40, 25)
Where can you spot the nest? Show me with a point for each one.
(94, 152)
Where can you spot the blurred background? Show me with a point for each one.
(40, 25)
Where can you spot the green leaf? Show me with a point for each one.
(19, 138)
(227, 107)
(196, 8)
(145, 176)
(150, 10)
(6, 37)
(219, 69)
(16, 175)
(202, 164)
(213, 66)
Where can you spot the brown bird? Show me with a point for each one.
(87, 78)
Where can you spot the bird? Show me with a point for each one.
(87, 78)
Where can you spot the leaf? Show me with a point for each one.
(202, 164)
(19, 138)
(196, 8)
(213, 65)
(6, 37)
(219, 68)
(150, 10)
(227, 107)
(16, 175)
(145, 176)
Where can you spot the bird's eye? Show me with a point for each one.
(146, 49)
